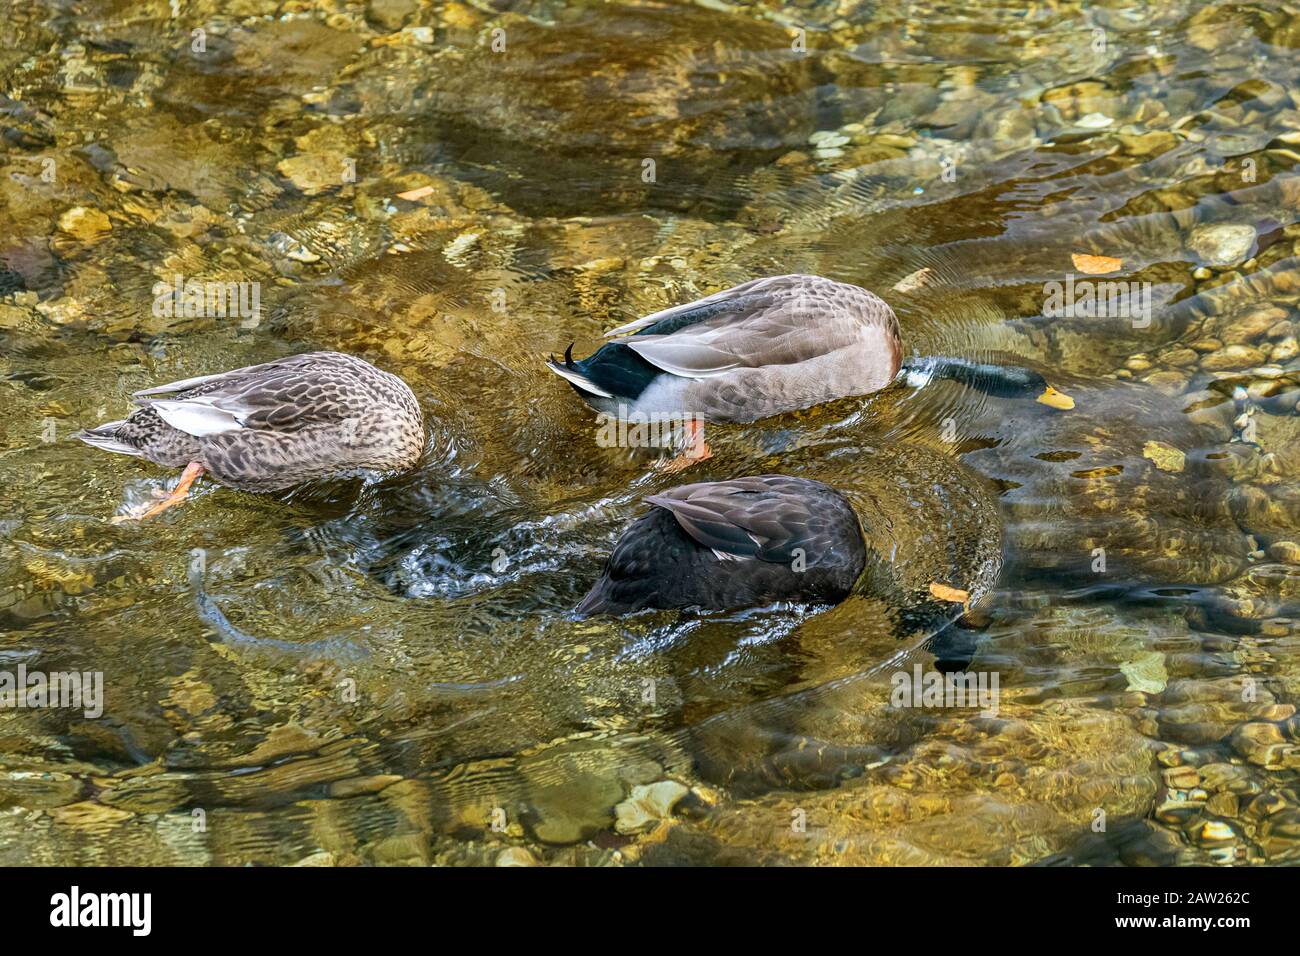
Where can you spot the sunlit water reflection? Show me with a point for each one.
(391, 673)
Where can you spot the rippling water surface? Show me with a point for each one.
(390, 673)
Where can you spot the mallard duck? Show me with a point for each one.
(764, 348)
(734, 544)
(268, 427)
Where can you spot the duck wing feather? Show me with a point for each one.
(778, 321)
(284, 396)
(767, 517)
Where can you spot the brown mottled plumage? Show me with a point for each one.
(268, 427)
(733, 544)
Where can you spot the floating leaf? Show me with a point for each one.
(1095, 265)
(1165, 457)
(943, 592)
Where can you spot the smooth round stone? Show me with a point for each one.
(1259, 742)
(1218, 776)
(1288, 552)
(1222, 244)
(1277, 712)
(1238, 143)
(1169, 382)
(1180, 357)
(515, 856)
(827, 139)
(1182, 778)
(1094, 121)
(1251, 326)
(1144, 144)
(1216, 831)
(1232, 357)
(88, 225)
(647, 805)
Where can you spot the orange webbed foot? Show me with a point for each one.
(178, 494)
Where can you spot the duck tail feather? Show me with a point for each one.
(577, 379)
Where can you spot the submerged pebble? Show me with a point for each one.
(1222, 244)
(648, 805)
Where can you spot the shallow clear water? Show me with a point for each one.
(390, 673)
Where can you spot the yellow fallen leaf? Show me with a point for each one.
(944, 593)
(1166, 457)
(411, 195)
(1095, 265)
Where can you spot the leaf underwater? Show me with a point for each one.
(943, 592)
(412, 195)
(1165, 457)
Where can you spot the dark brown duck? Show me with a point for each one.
(719, 545)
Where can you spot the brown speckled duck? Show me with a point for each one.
(768, 347)
(719, 545)
(268, 427)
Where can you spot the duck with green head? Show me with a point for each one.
(767, 347)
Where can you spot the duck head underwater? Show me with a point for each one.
(767, 347)
(719, 545)
(268, 427)
(761, 349)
